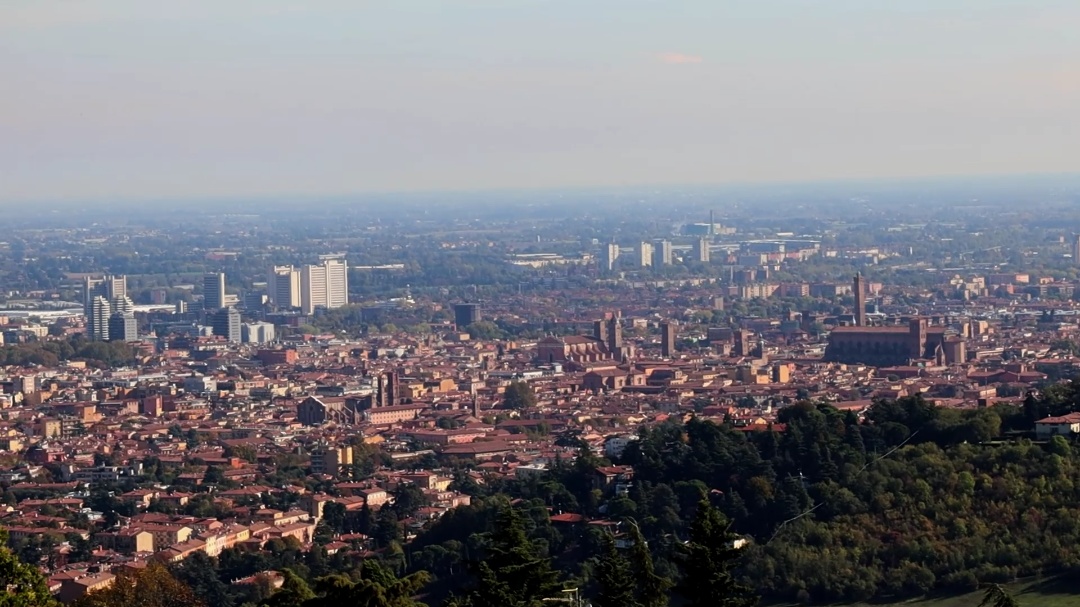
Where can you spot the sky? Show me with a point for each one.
(147, 99)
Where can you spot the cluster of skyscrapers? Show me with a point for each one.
(110, 314)
(225, 320)
(323, 285)
(658, 253)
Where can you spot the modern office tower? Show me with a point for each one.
(668, 331)
(325, 285)
(860, 300)
(610, 255)
(97, 318)
(701, 250)
(257, 333)
(254, 300)
(213, 291)
(662, 253)
(337, 282)
(283, 286)
(1076, 249)
(226, 323)
(645, 254)
(109, 288)
(122, 326)
(122, 304)
(466, 314)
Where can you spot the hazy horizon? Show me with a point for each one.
(118, 100)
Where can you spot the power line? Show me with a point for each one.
(861, 470)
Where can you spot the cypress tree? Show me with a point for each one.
(707, 560)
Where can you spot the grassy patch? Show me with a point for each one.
(1057, 592)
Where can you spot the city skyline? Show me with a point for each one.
(333, 99)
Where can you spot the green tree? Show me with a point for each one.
(614, 577)
(377, 587)
(485, 330)
(514, 573)
(154, 586)
(24, 584)
(519, 396)
(244, 452)
(199, 572)
(652, 588)
(294, 592)
(408, 498)
(334, 516)
(707, 560)
(996, 596)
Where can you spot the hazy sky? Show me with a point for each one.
(147, 98)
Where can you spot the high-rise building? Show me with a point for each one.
(226, 323)
(860, 300)
(213, 291)
(1076, 249)
(466, 314)
(325, 285)
(701, 250)
(645, 254)
(662, 253)
(122, 326)
(97, 318)
(668, 332)
(610, 256)
(122, 304)
(257, 333)
(331, 460)
(110, 288)
(254, 300)
(283, 286)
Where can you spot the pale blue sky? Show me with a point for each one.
(144, 98)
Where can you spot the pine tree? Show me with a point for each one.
(707, 560)
(652, 588)
(996, 596)
(514, 573)
(378, 587)
(615, 577)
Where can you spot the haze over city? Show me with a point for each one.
(507, 303)
(124, 99)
